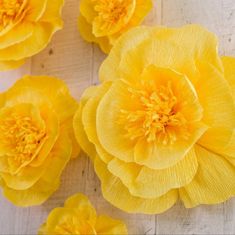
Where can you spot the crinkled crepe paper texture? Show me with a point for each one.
(26, 27)
(145, 170)
(103, 22)
(36, 138)
(79, 217)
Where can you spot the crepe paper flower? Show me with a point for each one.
(36, 138)
(78, 216)
(26, 27)
(160, 127)
(103, 21)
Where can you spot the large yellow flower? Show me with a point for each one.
(79, 217)
(26, 27)
(36, 138)
(103, 21)
(161, 125)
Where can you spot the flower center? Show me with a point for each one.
(22, 137)
(156, 117)
(111, 10)
(9, 11)
(112, 15)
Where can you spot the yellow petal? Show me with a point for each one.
(85, 30)
(109, 69)
(213, 183)
(59, 216)
(36, 9)
(16, 35)
(10, 64)
(172, 49)
(104, 44)
(108, 226)
(83, 206)
(2, 99)
(89, 112)
(104, 155)
(149, 183)
(79, 131)
(75, 146)
(52, 130)
(42, 34)
(63, 103)
(110, 135)
(25, 179)
(18, 95)
(87, 10)
(214, 94)
(69, 221)
(118, 195)
(52, 13)
(219, 110)
(142, 8)
(35, 195)
(89, 119)
(157, 156)
(57, 158)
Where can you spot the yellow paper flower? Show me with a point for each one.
(26, 27)
(103, 21)
(36, 138)
(161, 125)
(79, 217)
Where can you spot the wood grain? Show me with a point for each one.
(77, 63)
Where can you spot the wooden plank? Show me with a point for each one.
(217, 15)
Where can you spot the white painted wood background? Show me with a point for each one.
(77, 63)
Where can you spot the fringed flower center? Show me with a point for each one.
(22, 137)
(156, 117)
(9, 11)
(111, 12)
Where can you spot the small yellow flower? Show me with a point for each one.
(26, 27)
(79, 217)
(161, 125)
(36, 138)
(103, 21)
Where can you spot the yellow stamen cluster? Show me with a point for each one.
(9, 11)
(156, 116)
(22, 137)
(111, 11)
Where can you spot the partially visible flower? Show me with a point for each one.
(26, 27)
(103, 21)
(36, 138)
(79, 217)
(161, 125)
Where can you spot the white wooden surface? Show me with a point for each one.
(77, 63)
